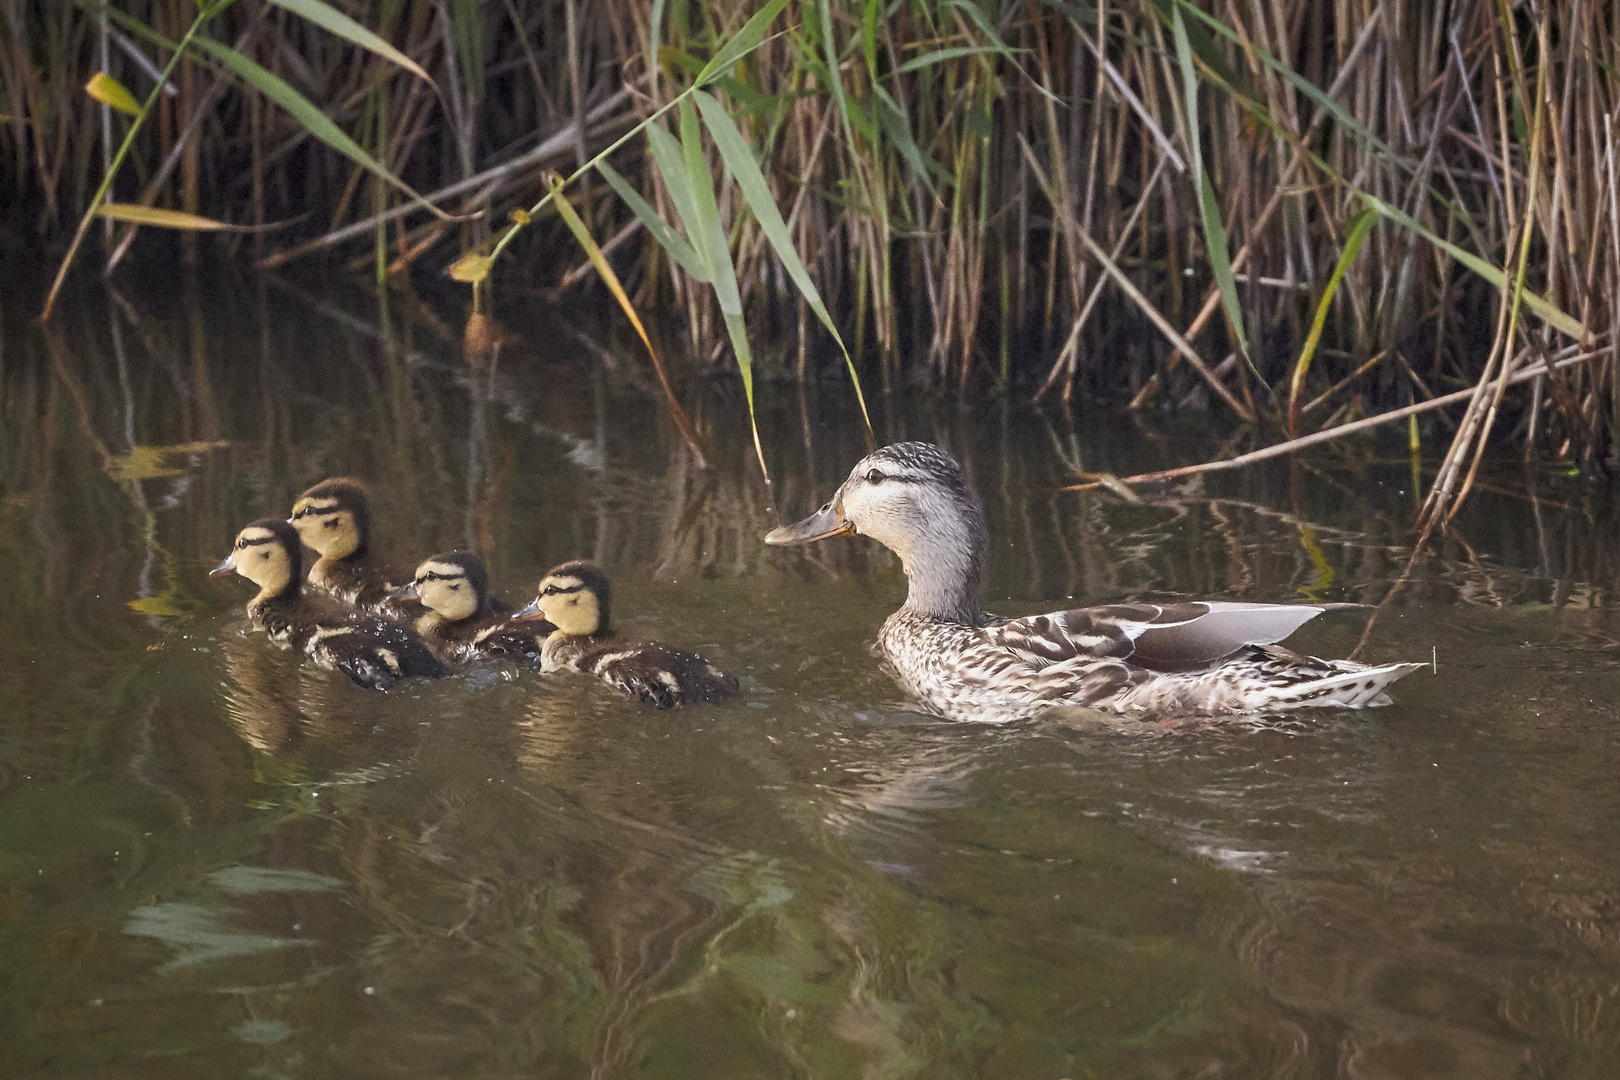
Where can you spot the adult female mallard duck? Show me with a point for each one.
(1188, 658)
(334, 518)
(576, 599)
(373, 651)
(462, 624)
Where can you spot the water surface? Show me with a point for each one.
(218, 861)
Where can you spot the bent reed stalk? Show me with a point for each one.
(961, 180)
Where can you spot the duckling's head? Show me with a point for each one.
(453, 584)
(334, 518)
(912, 498)
(574, 597)
(267, 554)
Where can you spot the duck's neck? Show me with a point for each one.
(281, 593)
(943, 563)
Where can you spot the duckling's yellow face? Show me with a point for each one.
(260, 556)
(445, 587)
(325, 526)
(569, 604)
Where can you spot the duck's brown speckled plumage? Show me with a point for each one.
(373, 651)
(1201, 657)
(478, 629)
(577, 599)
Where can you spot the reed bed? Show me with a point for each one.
(1298, 212)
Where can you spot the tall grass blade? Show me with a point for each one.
(313, 118)
(744, 41)
(709, 238)
(1360, 225)
(670, 161)
(673, 243)
(739, 158)
(1550, 313)
(978, 18)
(334, 22)
(593, 251)
(941, 55)
(1209, 211)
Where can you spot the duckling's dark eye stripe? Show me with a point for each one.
(434, 575)
(558, 590)
(247, 542)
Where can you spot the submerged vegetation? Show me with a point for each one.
(1298, 212)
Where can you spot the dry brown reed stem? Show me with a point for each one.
(1329, 434)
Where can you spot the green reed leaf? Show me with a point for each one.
(710, 240)
(746, 40)
(1209, 211)
(1360, 225)
(1339, 113)
(739, 158)
(977, 16)
(314, 119)
(668, 239)
(669, 159)
(1551, 313)
(604, 269)
(708, 236)
(892, 119)
(334, 22)
(939, 56)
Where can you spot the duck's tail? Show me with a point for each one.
(1345, 685)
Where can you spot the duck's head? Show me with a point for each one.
(267, 554)
(334, 518)
(574, 597)
(912, 498)
(453, 584)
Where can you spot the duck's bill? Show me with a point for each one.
(828, 521)
(224, 569)
(529, 612)
(406, 591)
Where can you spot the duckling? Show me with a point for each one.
(463, 623)
(371, 650)
(576, 599)
(1202, 657)
(334, 518)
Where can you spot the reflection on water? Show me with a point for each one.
(218, 860)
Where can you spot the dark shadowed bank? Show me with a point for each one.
(1288, 211)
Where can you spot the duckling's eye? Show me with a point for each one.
(550, 590)
(875, 476)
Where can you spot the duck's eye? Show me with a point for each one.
(875, 476)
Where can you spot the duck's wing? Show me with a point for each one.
(1167, 637)
(373, 651)
(661, 675)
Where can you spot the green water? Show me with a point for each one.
(218, 861)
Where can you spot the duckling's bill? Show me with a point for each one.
(225, 569)
(828, 521)
(406, 591)
(529, 612)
